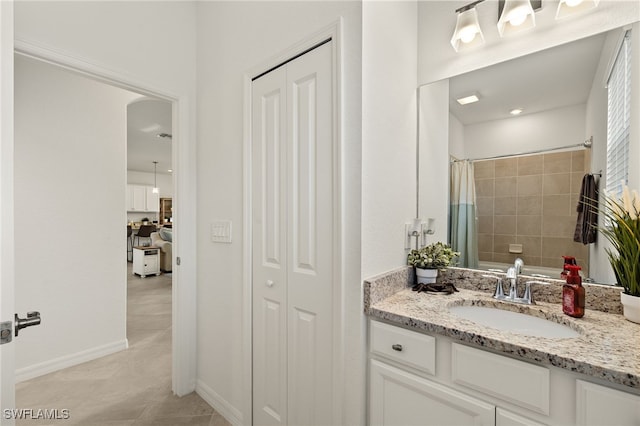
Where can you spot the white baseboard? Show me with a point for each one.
(66, 361)
(222, 406)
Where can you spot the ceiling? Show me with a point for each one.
(146, 119)
(557, 77)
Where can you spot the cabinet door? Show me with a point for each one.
(401, 398)
(152, 201)
(138, 193)
(507, 418)
(600, 405)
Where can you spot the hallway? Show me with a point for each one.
(131, 387)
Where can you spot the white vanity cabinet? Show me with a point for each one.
(418, 379)
(600, 405)
(398, 397)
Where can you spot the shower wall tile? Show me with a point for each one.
(530, 165)
(506, 186)
(506, 167)
(529, 205)
(529, 185)
(504, 206)
(557, 183)
(484, 169)
(557, 162)
(530, 200)
(484, 187)
(556, 205)
(529, 225)
(484, 206)
(505, 225)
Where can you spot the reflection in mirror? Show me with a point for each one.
(528, 168)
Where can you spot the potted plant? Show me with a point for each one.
(429, 259)
(622, 229)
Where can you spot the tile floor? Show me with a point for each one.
(131, 387)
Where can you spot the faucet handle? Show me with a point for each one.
(511, 272)
(528, 294)
(499, 292)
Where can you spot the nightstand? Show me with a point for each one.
(146, 261)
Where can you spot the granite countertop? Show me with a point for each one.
(608, 346)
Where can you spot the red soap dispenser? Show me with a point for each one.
(568, 260)
(573, 293)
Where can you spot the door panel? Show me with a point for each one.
(292, 219)
(269, 256)
(7, 351)
(310, 244)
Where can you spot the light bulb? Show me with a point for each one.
(155, 190)
(467, 34)
(573, 3)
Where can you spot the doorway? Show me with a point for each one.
(70, 180)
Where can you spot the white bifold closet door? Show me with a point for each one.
(293, 228)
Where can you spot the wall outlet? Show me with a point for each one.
(221, 231)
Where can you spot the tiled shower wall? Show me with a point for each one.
(530, 200)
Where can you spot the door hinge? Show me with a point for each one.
(6, 333)
(178, 260)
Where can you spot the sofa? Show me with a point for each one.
(163, 240)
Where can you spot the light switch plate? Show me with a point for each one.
(221, 231)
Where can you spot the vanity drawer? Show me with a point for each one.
(517, 382)
(407, 347)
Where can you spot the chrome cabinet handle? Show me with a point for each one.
(397, 347)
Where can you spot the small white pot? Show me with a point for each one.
(631, 307)
(426, 276)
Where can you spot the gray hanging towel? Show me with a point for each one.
(586, 225)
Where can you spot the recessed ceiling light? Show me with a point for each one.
(474, 97)
(516, 111)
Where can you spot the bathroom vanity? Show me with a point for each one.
(429, 365)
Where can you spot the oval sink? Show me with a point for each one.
(514, 322)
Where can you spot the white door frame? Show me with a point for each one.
(184, 242)
(333, 31)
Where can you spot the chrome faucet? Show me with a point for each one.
(519, 265)
(512, 276)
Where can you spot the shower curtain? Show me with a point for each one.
(463, 232)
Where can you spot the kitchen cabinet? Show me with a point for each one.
(166, 210)
(140, 198)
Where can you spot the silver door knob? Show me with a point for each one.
(33, 318)
(269, 283)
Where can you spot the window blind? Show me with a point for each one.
(618, 119)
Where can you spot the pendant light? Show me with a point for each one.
(572, 7)
(467, 33)
(516, 16)
(155, 189)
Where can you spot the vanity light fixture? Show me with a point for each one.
(467, 33)
(155, 189)
(515, 16)
(469, 99)
(516, 111)
(572, 7)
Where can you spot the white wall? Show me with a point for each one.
(70, 162)
(434, 157)
(149, 45)
(234, 37)
(456, 138)
(544, 130)
(389, 81)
